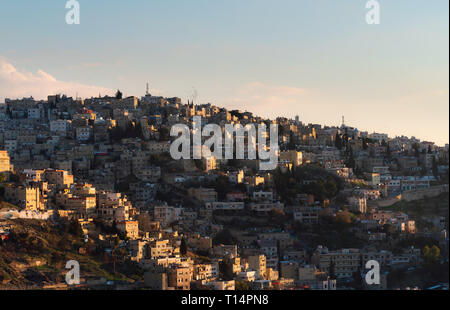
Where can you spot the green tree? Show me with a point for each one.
(416, 149)
(14, 178)
(332, 272)
(164, 134)
(351, 160)
(114, 252)
(338, 141)
(435, 168)
(119, 94)
(365, 143)
(183, 247)
(242, 286)
(291, 145)
(222, 186)
(435, 253)
(357, 279)
(75, 229)
(224, 237)
(388, 151)
(431, 255)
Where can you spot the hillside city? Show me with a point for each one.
(92, 180)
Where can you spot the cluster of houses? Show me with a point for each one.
(105, 160)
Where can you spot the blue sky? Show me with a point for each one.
(314, 58)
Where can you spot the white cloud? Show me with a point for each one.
(18, 84)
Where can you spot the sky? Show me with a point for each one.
(318, 59)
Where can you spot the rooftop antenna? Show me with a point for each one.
(343, 121)
(146, 91)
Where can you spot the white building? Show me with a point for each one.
(358, 204)
(379, 137)
(34, 113)
(166, 214)
(59, 127)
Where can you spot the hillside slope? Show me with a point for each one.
(36, 252)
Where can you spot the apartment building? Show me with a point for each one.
(222, 285)
(5, 163)
(130, 228)
(229, 205)
(358, 204)
(113, 207)
(379, 137)
(289, 270)
(383, 257)
(222, 250)
(200, 243)
(167, 214)
(263, 196)
(26, 197)
(258, 263)
(159, 249)
(209, 163)
(265, 207)
(346, 261)
(83, 133)
(60, 127)
(269, 247)
(84, 205)
(307, 215)
(283, 239)
(203, 194)
(149, 174)
(179, 277)
(294, 157)
(61, 178)
(236, 177)
(206, 271)
(247, 276)
(156, 281)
